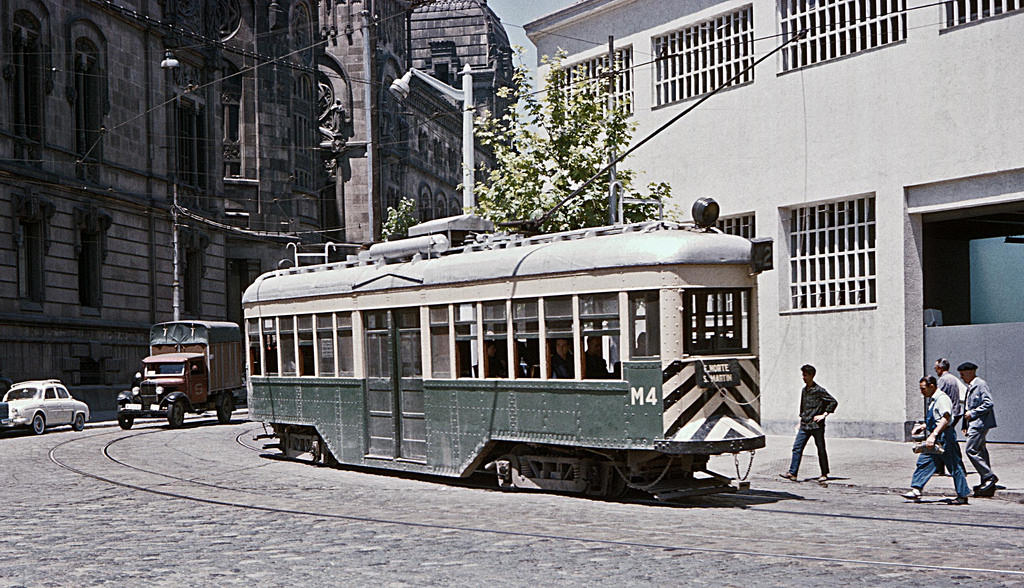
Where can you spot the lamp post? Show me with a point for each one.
(400, 88)
(169, 64)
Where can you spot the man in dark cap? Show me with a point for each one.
(978, 419)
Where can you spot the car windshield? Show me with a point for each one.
(21, 394)
(165, 369)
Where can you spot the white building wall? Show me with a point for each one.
(938, 106)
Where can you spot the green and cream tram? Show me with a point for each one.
(585, 361)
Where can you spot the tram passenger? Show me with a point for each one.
(496, 365)
(597, 367)
(562, 361)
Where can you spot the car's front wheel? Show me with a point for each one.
(79, 423)
(39, 424)
(125, 421)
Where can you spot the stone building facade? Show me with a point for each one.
(259, 131)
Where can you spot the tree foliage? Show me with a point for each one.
(398, 221)
(550, 145)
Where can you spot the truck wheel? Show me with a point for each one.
(225, 406)
(125, 421)
(176, 414)
(38, 424)
(79, 423)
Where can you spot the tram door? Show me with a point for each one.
(396, 428)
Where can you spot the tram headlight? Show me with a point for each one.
(705, 212)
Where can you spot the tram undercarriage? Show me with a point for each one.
(607, 474)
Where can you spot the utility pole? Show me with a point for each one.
(169, 64)
(610, 72)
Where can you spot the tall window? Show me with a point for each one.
(192, 245)
(440, 350)
(231, 118)
(88, 107)
(835, 28)
(832, 254)
(90, 245)
(89, 268)
(599, 324)
(742, 225)
(30, 260)
(595, 69)
(702, 57)
(191, 144)
(960, 12)
(27, 87)
(252, 327)
(302, 131)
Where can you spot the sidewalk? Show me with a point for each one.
(866, 463)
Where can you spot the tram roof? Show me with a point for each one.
(655, 244)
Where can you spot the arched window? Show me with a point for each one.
(440, 206)
(88, 107)
(27, 87)
(423, 203)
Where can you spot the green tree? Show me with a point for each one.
(398, 221)
(549, 145)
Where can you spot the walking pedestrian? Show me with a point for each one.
(955, 389)
(978, 419)
(815, 404)
(938, 420)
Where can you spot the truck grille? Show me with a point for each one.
(148, 393)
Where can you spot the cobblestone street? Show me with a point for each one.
(121, 519)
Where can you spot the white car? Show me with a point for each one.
(40, 404)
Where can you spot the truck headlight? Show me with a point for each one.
(159, 390)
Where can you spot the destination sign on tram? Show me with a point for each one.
(723, 373)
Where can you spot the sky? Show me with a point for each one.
(516, 13)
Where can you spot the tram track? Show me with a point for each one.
(510, 533)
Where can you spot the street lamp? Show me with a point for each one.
(400, 89)
(169, 64)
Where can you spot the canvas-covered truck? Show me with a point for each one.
(193, 366)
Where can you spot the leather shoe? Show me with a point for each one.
(959, 500)
(987, 490)
(788, 476)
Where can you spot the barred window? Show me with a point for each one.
(594, 70)
(832, 254)
(960, 12)
(696, 60)
(716, 321)
(835, 28)
(88, 108)
(742, 225)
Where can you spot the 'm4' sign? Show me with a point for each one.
(637, 396)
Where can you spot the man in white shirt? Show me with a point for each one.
(938, 422)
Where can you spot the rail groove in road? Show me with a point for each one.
(54, 457)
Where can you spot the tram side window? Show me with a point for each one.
(495, 340)
(346, 361)
(325, 343)
(378, 354)
(526, 335)
(286, 328)
(252, 328)
(558, 329)
(411, 363)
(305, 360)
(440, 353)
(465, 341)
(645, 328)
(599, 321)
(270, 345)
(716, 321)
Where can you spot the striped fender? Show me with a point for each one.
(692, 413)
